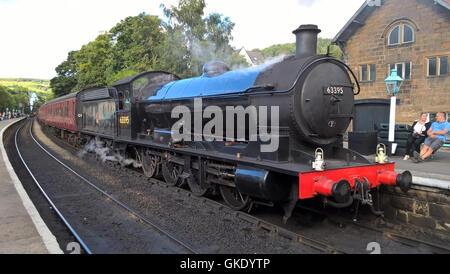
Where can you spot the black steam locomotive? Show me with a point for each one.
(282, 142)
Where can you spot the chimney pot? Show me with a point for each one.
(306, 40)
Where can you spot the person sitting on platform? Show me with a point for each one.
(417, 135)
(437, 134)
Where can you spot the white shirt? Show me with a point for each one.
(419, 128)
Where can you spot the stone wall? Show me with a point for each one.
(422, 207)
(368, 46)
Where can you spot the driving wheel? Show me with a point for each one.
(234, 198)
(171, 172)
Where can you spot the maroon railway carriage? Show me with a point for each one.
(59, 112)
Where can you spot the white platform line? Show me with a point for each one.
(430, 182)
(47, 237)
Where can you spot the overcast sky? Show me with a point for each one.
(36, 35)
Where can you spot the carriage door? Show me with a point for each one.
(123, 113)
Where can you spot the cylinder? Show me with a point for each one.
(262, 183)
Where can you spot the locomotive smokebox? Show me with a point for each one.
(306, 40)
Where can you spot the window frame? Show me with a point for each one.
(442, 75)
(369, 73)
(403, 69)
(438, 66)
(413, 34)
(398, 37)
(401, 34)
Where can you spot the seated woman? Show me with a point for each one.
(417, 136)
(437, 134)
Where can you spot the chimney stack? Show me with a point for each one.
(306, 40)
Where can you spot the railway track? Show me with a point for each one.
(124, 206)
(52, 204)
(395, 236)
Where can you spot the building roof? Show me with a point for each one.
(360, 17)
(256, 56)
(62, 98)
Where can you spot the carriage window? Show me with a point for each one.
(66, 110)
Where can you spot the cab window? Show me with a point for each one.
(124, 99)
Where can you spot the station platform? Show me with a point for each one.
(437, 167)
(433, 172)
(22, 231)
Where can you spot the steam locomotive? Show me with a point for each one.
(305, 102)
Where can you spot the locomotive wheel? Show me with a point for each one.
(194, 184)
(171, 172)
(149, 164)
(234, 199)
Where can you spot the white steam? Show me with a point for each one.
(104, 153)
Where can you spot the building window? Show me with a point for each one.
(401, 34)
(408, 34)
(403, 69)
(368, 73)
(394, 37)
(437, 66)
(443, 65)
(432, 117)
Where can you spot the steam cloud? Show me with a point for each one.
(103, 153)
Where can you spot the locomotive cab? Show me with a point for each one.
(130, 92)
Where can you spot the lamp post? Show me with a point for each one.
(393, 84)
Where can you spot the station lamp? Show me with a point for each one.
(393, 84)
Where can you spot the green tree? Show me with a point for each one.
(198, 38)
(6, 100)
(93, 61)
(289, 49)
(141, 43)
(65, 81)
(38, 103)
(279, 49)
(187, 17)
(20, 97)
(135, 44)
(322, 48)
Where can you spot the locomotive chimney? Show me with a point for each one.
(306, 40)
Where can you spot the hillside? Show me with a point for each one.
(41, 87)
(289, 49)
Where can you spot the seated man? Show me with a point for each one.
(437, 134)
